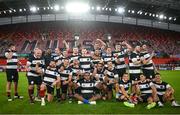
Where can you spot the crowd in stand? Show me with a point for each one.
(164, 42)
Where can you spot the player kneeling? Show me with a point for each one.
(86, 90)
(164, 91)
(147, 91)
(51, 78)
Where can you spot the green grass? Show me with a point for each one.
(102, 107)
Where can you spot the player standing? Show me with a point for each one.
(11, 72)
(147, 66)
(35, 65)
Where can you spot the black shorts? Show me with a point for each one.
(150, 74)
(34, 80)
(145, 97)
(161, 98)
(64, 87)
(50, 89)
(110, 87)
(87, 96)
(121, 72)
(12, 75)
(134, 76)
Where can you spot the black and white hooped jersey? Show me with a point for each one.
(100, 74)
(145, 56)
(111, 74)
(125, 85)
(65, 73)
(73, 57)
(121, 60)
(50, 75)
(145, 87)
(33, 61)
(87, 87)
(134, 68)
(161, 87)
(75, 70)
(86, 63)
(116, 53)
(106, 58)
(96, 61)
(56, 57)
(12, 63)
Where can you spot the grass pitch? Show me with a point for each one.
(102, 107)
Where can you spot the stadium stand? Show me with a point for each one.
(50, 35)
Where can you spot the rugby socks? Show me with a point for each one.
(86, 101)
(31, 93)
(38, 91)
(16, 94)
(42, 93)
(8, 94)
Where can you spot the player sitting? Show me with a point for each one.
(164, 91)
(86, 90)
(51, 78)
(146, 90)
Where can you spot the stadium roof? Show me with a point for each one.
(169, 8)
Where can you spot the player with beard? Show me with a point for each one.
(35, 65)
(51, 78)
(11, 72)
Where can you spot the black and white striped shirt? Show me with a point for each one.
(75, 71)
(145, 87)
(33, 61)
(50, 75)
(87, 87)
(121, 60)
(57, 58)
(86, 63)
(111, 74)
(125, 85)
(73, 57)
(65, 73)
(106, 58)
(11, 63)
(134, 68)
(161, 87)
(100, 74)
(149, 65)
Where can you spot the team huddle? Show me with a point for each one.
(87, 76)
